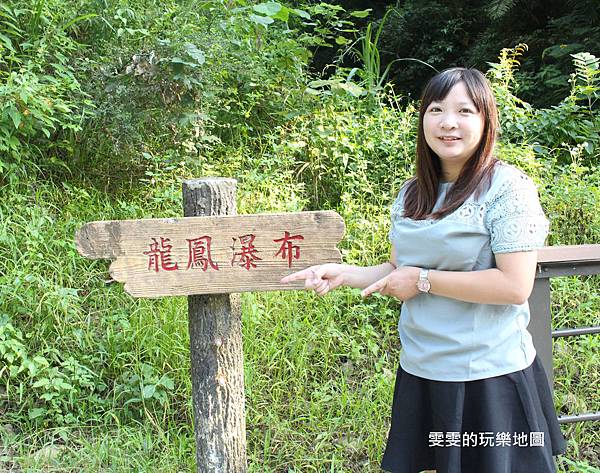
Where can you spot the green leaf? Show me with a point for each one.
(313, 91)
(59, 383)
(283, 14)
(268, 8)
(341, 40)
(42, 382)
(300, 13)
(37, 412)
(31, 367)
(7, 42)
(177, 64)
(148, 391)
(131, 401)
(322, 82)
(78, 19)
(195, 53)
(166, 382)
(352, 88)
(40, 360)
(261, 20)
(361, 13)
(15, 116)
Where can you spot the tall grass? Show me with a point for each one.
(319, 371)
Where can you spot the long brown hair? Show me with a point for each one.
(422, 190)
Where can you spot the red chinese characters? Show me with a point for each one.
(247, 256)
(199, 253)
(287, 249)
(160, 253)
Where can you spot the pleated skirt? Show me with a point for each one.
(504, 424)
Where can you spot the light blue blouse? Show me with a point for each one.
(450, 340)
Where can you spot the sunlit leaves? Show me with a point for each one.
(271, 11)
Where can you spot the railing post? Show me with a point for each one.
(555, 261)
(540, 325)
(216, 350)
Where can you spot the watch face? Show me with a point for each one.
(424, 285)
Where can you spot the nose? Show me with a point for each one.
(448, 121)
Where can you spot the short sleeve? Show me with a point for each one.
(515, 218)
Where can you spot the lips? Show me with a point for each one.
(449, 138)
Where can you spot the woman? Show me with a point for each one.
(471, 396)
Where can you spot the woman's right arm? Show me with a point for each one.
(327, 277)
(361, 277)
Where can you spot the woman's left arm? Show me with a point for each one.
(511, 282)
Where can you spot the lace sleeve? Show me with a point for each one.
(515, 219)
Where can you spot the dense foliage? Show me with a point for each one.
(428, 34)
(106, 106)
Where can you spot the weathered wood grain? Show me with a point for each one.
(126, 242)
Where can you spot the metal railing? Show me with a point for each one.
(556, 261)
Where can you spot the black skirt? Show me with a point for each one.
(504, 424)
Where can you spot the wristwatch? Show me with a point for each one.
(423, 283)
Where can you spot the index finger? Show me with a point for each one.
(299, 275)
(375, 287)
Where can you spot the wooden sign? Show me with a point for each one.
(212, 255)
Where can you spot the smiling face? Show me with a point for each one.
(453, 128)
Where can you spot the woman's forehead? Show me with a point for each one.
(457, 93)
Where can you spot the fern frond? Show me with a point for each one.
(585, 60)
(586, 67)
(585, 81)
(496, 9)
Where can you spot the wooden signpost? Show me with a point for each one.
(208, 255)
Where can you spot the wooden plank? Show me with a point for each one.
(566, 253)
(212, 255)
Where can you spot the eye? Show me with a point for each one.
(435, 108)
(466, 110)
